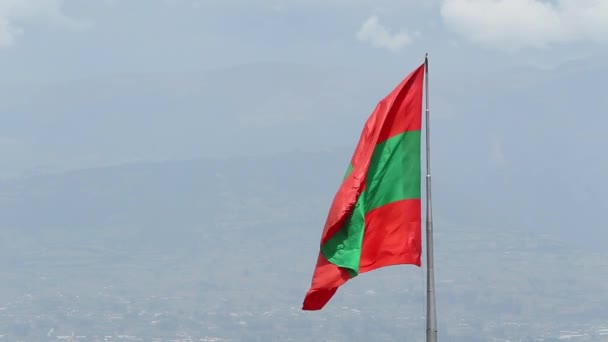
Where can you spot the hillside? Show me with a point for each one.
(516, 158)
(225, 248)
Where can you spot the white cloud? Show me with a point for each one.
(377, 35)
(14, 13)
(516, 24)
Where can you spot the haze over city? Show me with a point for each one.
(167, 167)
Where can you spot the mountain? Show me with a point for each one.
(523, 145)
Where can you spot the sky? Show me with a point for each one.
(80, 78)
(51, 40)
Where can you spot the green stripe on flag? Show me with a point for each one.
(394, 171)
(344, 248)
(393, 175)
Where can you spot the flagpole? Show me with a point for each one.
(431, 316)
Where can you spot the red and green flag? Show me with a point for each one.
(375, 218)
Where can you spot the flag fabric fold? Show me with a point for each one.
(375, 218)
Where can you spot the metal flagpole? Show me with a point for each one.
(431, 316)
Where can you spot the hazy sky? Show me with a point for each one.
(340, 57)
(47, 40)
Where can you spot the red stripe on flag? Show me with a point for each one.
(392, 235)
(402, 108)
(325, 282)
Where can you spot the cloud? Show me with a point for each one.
(379, 36)
(517, 24)
(14, 13)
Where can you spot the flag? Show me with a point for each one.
(375, 217)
